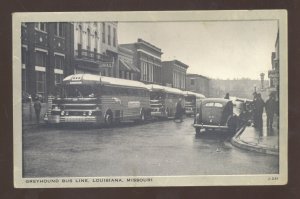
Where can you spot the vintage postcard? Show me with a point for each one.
(149, 99)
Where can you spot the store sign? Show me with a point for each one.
(106, 64)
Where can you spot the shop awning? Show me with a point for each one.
(128, 66)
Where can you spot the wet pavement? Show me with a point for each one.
(159, 148)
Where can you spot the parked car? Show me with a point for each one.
(216, 114)
(26, 97)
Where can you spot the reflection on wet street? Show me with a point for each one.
(159, 148)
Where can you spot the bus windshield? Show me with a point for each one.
(157, 95)
(81, 91)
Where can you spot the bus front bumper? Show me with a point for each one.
(205, 126)
(56, 119)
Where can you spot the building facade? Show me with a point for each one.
(96, 48)
(147, 58)
(47, 55)
(273, 74)
(174, 74)
(198, 83)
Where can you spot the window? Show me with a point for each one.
(80, 34)
(58, 79)
(150, 66)
(96, 41)
(40, 26)
(59, 62)
(108, 36)
(59, 31)
(114, 37)
(103, 32)
(192, 81)
(88, 39)
(40, 82)
(40, 59)
(144, 71)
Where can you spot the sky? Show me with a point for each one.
(224, 50)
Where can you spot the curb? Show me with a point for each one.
(235, 141)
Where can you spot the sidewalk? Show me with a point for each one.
(28, 115)
(265, 141)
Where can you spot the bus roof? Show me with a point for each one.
(155, 87)
(78, 79)
(190, 93)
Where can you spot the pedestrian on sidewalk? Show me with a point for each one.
(226, 96)
(270, 110)
(37, 108)
(258, 111)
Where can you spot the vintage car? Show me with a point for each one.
(216, 114)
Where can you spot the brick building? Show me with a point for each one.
(198, 83)
(174, 74)
(147, 58)
(96, 48)
(47, 55)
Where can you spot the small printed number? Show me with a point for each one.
(272, 178)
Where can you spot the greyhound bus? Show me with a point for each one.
(192, 102)
(86, 98)
(163, 100)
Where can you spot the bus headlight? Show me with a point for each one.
(62, 113)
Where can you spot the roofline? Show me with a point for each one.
(193, 74)
(178, 62)
(97, 79)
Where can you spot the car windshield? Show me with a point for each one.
(81, 91)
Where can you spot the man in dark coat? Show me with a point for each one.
(270, 110)
(179, 110)
(37, 108)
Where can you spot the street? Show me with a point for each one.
(161, 148)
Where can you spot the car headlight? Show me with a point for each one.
(62, 113)
(90, 113)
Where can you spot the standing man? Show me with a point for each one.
(259, 109)
(226, 96)
(37, 107)
(179, 110)
(270, 110)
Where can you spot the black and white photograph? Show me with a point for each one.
(147, 99)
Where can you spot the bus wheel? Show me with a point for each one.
(108, 119)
